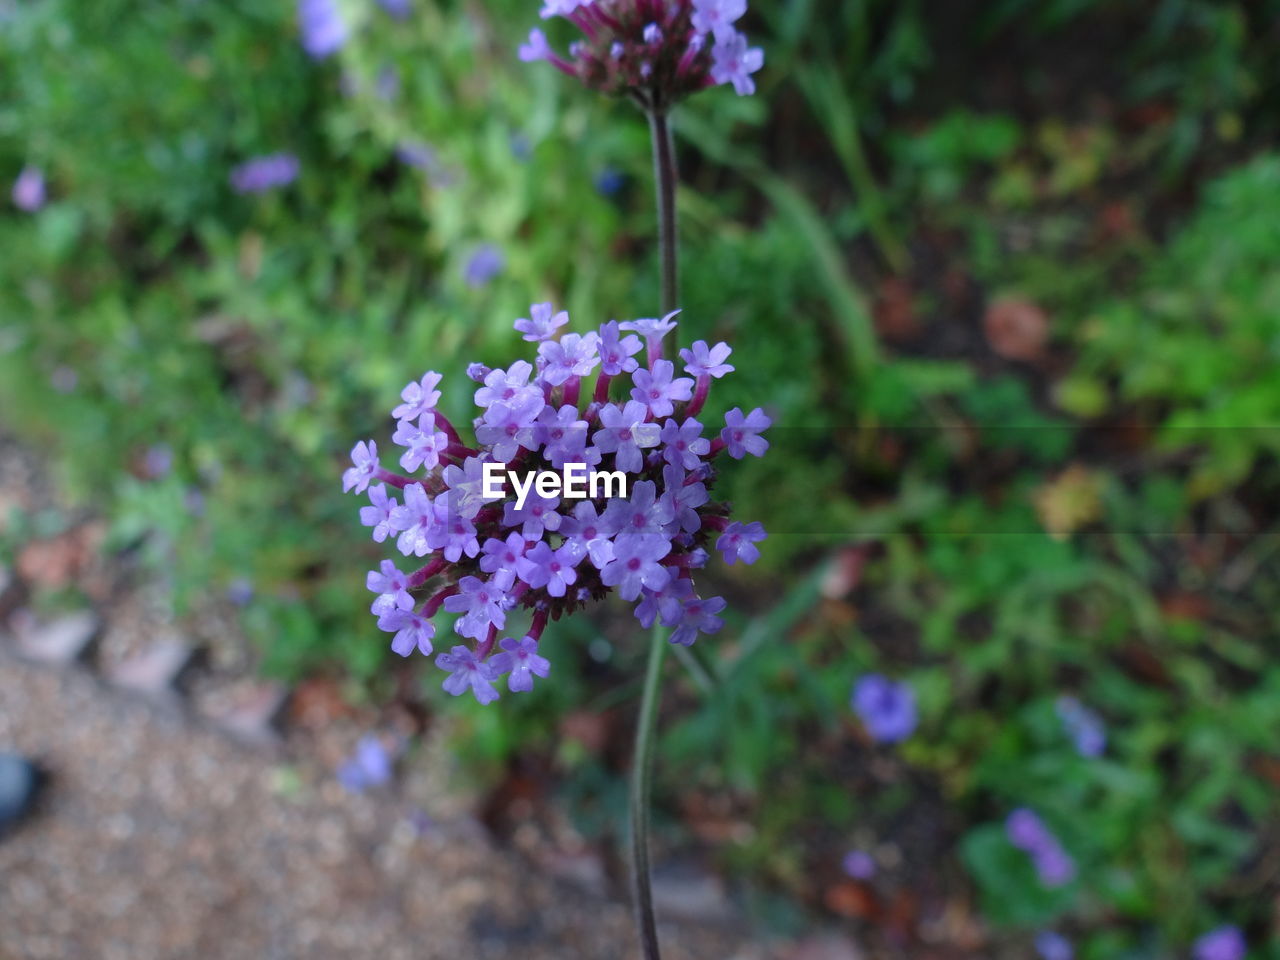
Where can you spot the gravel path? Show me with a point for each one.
(161, 839)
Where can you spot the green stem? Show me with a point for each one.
(664, 175)
(641, 773)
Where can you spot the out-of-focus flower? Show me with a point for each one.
(1223, 943)
(265, 173)
(370, 765)
(323, 30)
(158, 461)
(29, 190)
(483, 265)
(1027, 832)
(547, 554)
(240, 591)
(1053, 946)
(887, 708)
(1085, 727)
(858, 864)
(400, 9)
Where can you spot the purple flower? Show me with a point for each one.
(520, 659)
(506, 385)
(635, 564)
(655, 388)
(392, 588)
(369, 766)
(508, 426)
(574, 355)
(412, 631)
(740, 434)
(485, 264)
(1224, 943)
(1054, 865)
(452, 534)
(420, 156)
(589, 532)
(887, 708)
(1083, 726)
(396, 8)
(652, 330)
(468, 671)
(500, 559)
(617, 353)
(717, 16)
(684, 445)
(652, 34)
(553, 569)
(704, 361)
(29, 190)
(1053, 946)
(738, 542)
(240, 591)
(415, 520)
(420, 397)
(481, 604)
(624, 433)
(732, 62)
(564, 437)
(643, 513)
(536, 516)
(1027, 832)
(858, 864)
(265, 173)
(378, 515)
(323, 30)
(697, 616)
(536, 48)
(364, 459)
(666, 604)
(543, 321)
(423, 444)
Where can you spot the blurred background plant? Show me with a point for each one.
(1005, 273)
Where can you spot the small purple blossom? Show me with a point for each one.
(370, 765)
(392, 588)
(656, 389)
(738, 542)
(536, 516)
(1083, 726)
(483, 265)
(265, 173)
(323, 30)
(704, 361)
(733, 62)
(1053, 946)
(467, 671)
(520, 659)
(573, 355)
(378, 514)
(412, 631)
(859, 865)
(364, 459)
(1224, 943)
(29, 190)
(625, 433)
(542, 323)
(400, 9)
(697, 616)
(481, 604)
(535, 48)
(553, 569)
(423, 444)
(684, 445)
(1028, 833)
(652, 330)
(501, 557)
(636, 564)
(717, 16)
(741, 434)
(887, 708)
(652, 34)
(617, 353)
(420, 397)
(416, 521)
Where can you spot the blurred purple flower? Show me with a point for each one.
(400, 9)
(1224, 943)
(1083, 726)
(610, 181)
(1053, 946)
(371, 765)
(29, 190)
(323, 30)
(1027, 832)
(265, 173)
(485, 264)
(240, 591)
(886, 708)
(858, 864)
(158, 461)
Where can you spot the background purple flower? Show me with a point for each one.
(265, 173)
(1224, 943)
(483, 265)
(370, 765)
(1083, 726)
(858, 864)
(1053, 946)
(29, 190)
(322, 28)
(887, 708)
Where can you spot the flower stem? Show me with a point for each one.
(641, 771)
(664, 175)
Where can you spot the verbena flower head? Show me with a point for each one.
(654, 51)
(887, 708)
(1224, 943)
(1028, 833)
(508, 565)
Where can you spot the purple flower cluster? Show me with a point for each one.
(655, 51)
(1083, 726)
(265, 173)
(887, 708)
(1224, 943)
(1027, 832)
(546, 554)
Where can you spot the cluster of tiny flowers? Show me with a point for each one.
(549, 555)
(1027, 832)
(656, 51)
